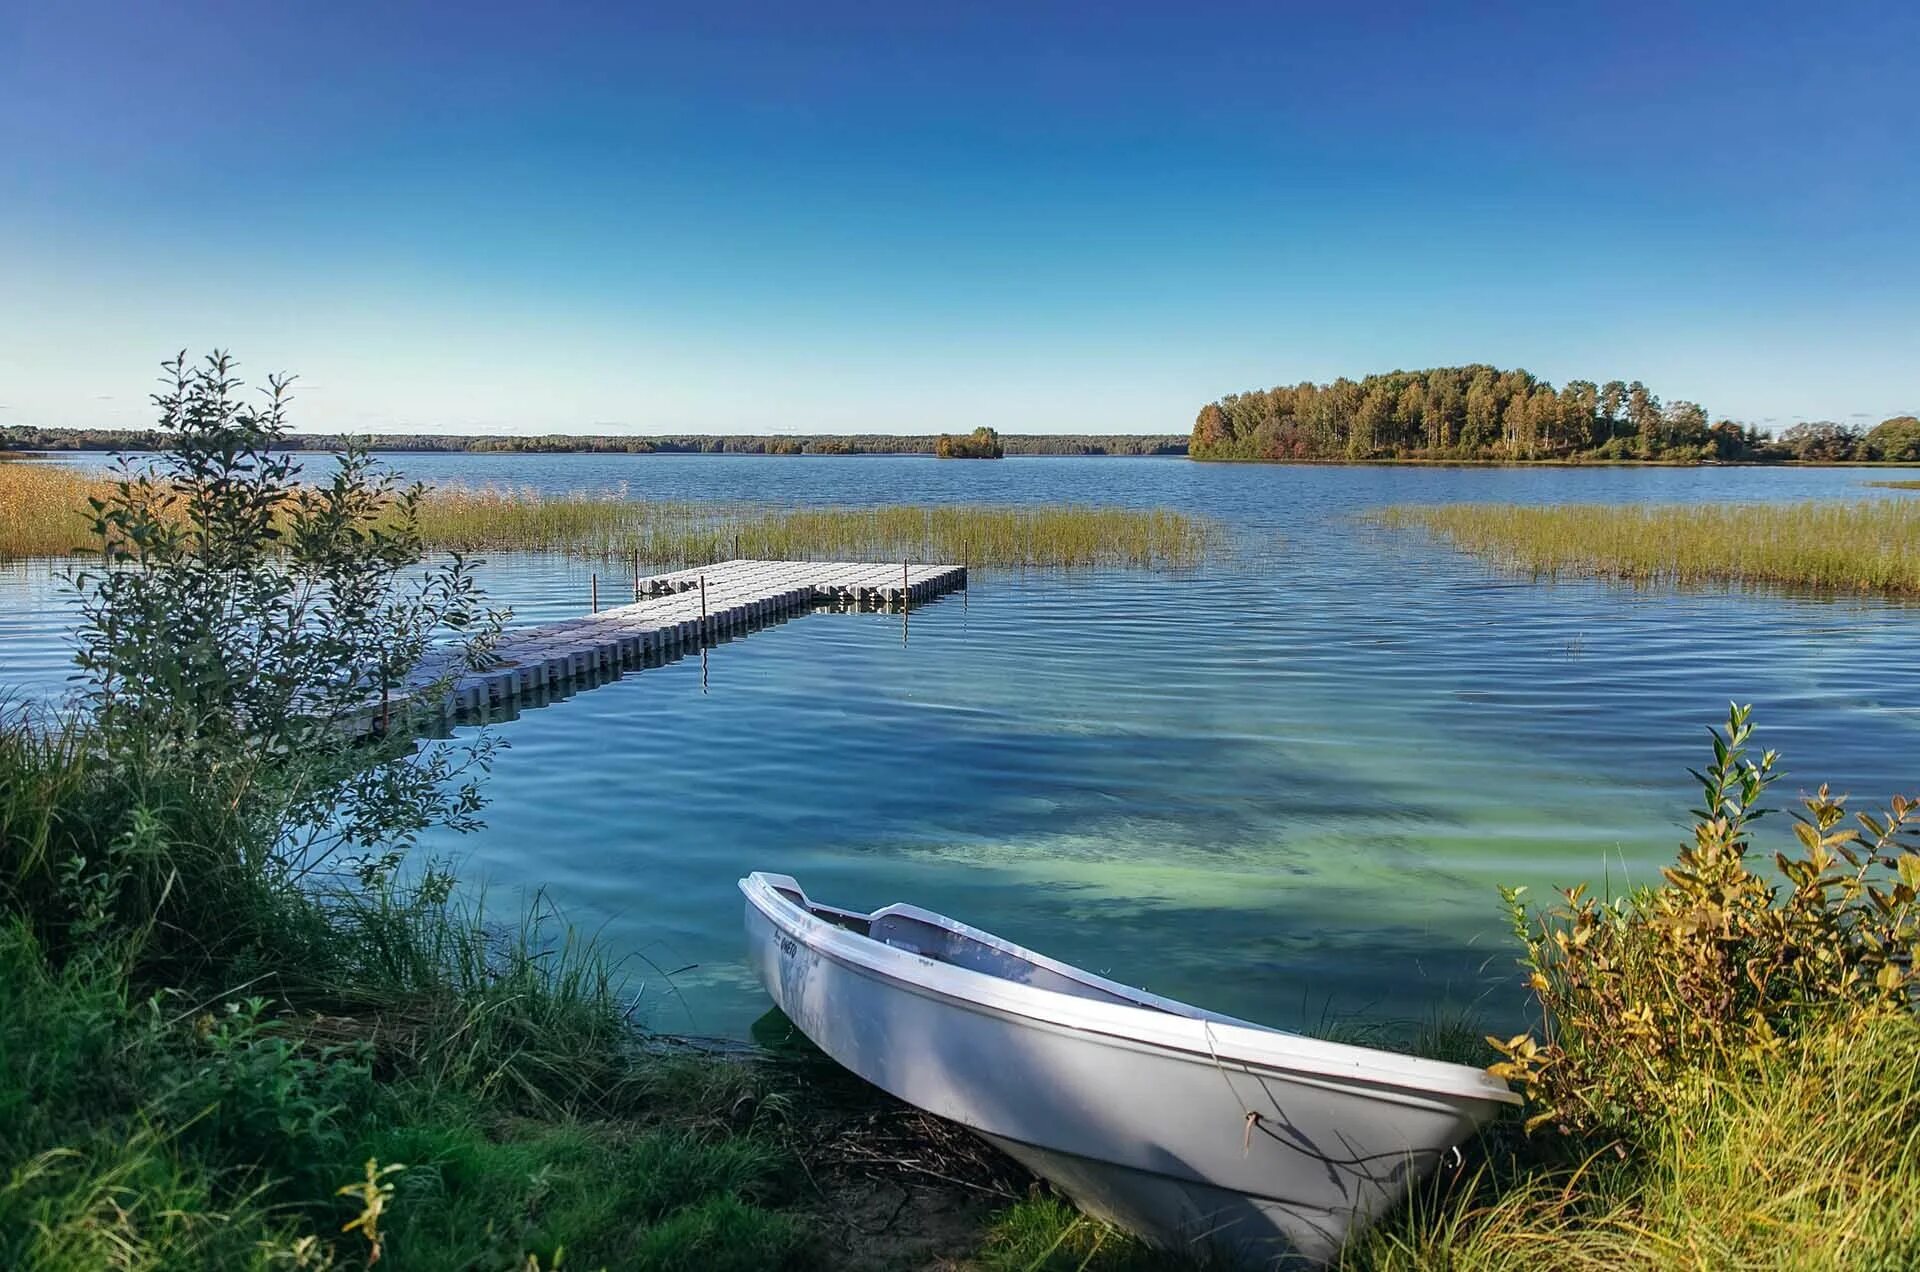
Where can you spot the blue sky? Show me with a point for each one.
(915, 217)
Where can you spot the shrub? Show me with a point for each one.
(244, 622)
(1719, 964)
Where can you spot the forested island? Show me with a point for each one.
(91, 439)
(1481, 412)
(982, 443)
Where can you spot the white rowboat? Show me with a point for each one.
(1181, 1125)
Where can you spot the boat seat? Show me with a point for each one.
(902, 928)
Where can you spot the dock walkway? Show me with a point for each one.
(679, 613)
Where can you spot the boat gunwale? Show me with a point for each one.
(1223, 1040)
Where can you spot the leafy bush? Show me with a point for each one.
(250, 623)
(1645, 993)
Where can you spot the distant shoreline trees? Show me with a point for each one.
(60, 439)
(1481, 412)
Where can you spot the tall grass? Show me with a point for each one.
(42, 509)
(199, 1052)
(1896, 485)
(1847, 546)
(1805, 1159)
(676, 533)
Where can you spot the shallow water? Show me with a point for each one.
(1285, 786)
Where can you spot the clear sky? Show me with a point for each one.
(910, 216)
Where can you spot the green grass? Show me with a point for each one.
(1809, 1159)
(1847, 546)
(670, 534)
(1896, 485)
(1045, 1234)
(198, 1052)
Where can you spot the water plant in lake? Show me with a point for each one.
(43, 508)
(1853, 546)
(667, 534)
(43, 512)
(1896, 485)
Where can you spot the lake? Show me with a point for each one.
(1286, 785)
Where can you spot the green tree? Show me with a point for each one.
(1822, 441)
(1483, 414)
(1685, 424)
(1897, 439)
(1372, 423)
(1643, 416)
(1409, 416)
(245, 618)
(1613, 400)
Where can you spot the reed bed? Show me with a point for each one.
(42, 513)
(1896, 485)
(43, 508)
(670, 534)
(1864, 546)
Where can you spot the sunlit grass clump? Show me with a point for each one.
(1896, 485)
(1850, 546)
(43, 508)
(675, 533)
(43, 513)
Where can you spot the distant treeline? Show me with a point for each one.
(691, 443)
(1483, 412)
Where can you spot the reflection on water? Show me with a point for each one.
(1283, 787)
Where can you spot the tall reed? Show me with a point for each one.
(43, 508)
(674, 533)
(42, 513)
(1868, 545)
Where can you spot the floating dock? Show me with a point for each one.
(672, 615)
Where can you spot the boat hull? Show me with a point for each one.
(1248, 1158)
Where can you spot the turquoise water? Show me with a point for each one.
(1285, 786)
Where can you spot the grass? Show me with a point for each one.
(1809, 1159)
(1853, 546)
(671, 534)
(41, 515)
(199, 1058)
(1896, 485)
(42, 508)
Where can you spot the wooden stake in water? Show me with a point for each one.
(703, 605)
(636, 576)
(595, 584)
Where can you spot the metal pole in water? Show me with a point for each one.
(636, 576)
(703, 605)
(595, 584)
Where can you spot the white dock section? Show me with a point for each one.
(679, 613)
